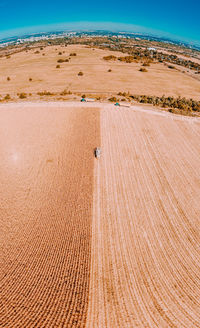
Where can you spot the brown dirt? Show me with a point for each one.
(126, 257)
(46, 186)
(157, 81)
(145, 265)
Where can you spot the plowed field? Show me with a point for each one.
(146, 234)
(98, 243)
(46, 185)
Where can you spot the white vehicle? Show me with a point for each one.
(97, 152)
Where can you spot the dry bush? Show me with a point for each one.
(7, 97)
(65, 92)
(57, 66)
(8, 78)
(73, 54)
(127, 59)
(111, 57)
(80, 74)
(109, 70)
(22, 95)
(123, 94)
(143, 70)
(37, 52)
(171, 67)
(60, 53)
(30, 79)
(61, 60)
(45, 93)
(113, 99)
(182, 104)
(146, 64)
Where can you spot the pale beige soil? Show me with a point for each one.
(145, 269)
(104, 243)
(157, 81)
(46, 186)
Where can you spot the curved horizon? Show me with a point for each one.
(89, 26)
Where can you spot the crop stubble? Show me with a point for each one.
(145, 268)
(46, 177)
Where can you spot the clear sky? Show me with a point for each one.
(177, 18)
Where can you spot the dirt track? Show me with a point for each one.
(46, 177)
(132, 262)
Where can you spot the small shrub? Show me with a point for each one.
(109, 70)
(7, 97)
(45, 93)
(65, 92)
(22, 95)
(72, 54)
(113, 99)
(41, 48)
(111, 57)
(143, 70)
(57, 66)
(146, 64)
(30, 79)
(8, 78)
(62, 60)
(80, 74)
(37, 52)
(60, 53)
(127, 59)
(124, 94)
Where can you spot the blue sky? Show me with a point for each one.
(170, 18)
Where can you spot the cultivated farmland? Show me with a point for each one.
(98, 243)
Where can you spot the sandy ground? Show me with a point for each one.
(104, 243)
(46, 186)
(145, 269)
(42, 70)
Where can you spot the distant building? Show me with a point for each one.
(152, 49)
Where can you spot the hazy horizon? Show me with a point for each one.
(89, 26)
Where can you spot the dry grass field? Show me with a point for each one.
(41, 68)
(98, 243)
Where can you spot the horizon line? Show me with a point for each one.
(83, 25)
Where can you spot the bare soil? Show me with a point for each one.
(46, 192)
(98, 243)
(145, 267)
